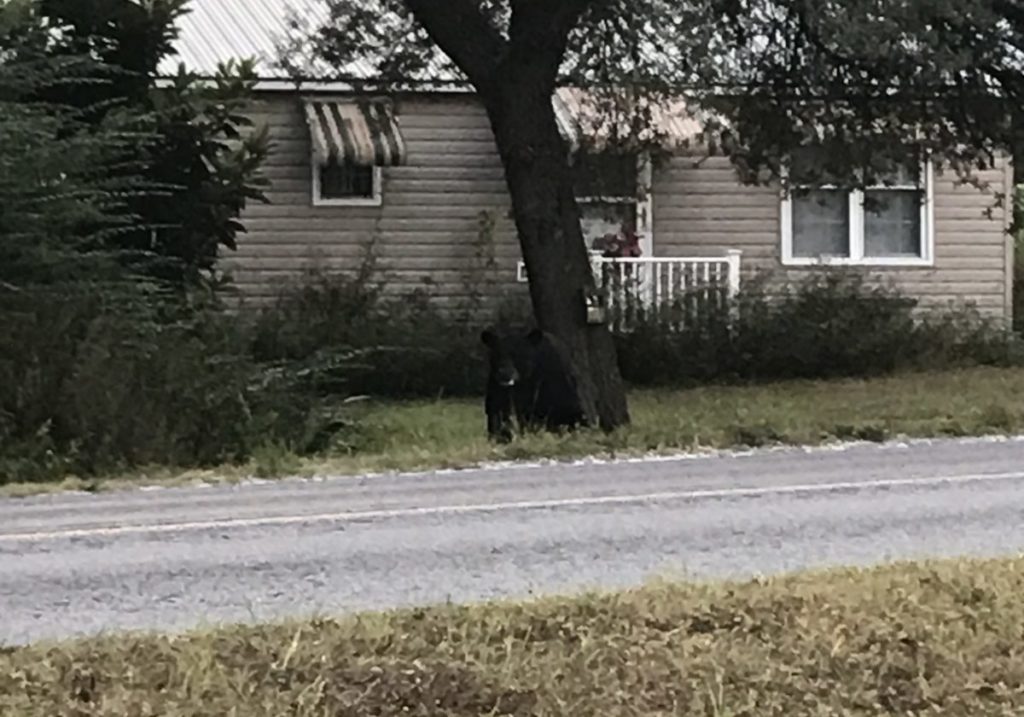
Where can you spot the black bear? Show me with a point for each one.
(502, 380)
(530, 377)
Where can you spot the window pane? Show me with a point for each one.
(346, 181)
(892, 223)
(600, 219)
(606, 174)
(821, 224)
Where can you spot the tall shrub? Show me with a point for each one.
(114, 198)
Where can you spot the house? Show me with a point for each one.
(419, 173)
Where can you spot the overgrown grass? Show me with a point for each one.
(92, 382)
(432, 434)
(422, 435)
(936, 638)
(90, 389)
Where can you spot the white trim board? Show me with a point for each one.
(319, 201)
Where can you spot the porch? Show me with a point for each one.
(679, 290)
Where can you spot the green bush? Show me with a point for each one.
(94, 383)
(98, 379)
(833, 324)
(406, 346)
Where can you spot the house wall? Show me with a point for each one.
(701, 208)
(428, 226)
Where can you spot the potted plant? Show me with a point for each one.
(622, 245)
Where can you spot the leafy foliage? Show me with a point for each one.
(875, 81)
(400, 347)
(405, 347)
(66, 175)
(176, 164)
(208, 156)
(99, 382)
(831, 325)
(113, 354)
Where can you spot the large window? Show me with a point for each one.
(889, 223)
(341, 183)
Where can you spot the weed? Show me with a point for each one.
(274, 460)
(928, 638)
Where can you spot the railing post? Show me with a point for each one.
(596, 266)
(732, 257)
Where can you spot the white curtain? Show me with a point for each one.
(821, 224)
(892, 223)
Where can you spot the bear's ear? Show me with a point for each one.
(535, 337)
(488, 337)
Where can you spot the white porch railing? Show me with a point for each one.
(680, 290)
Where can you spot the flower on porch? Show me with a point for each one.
(624, 244)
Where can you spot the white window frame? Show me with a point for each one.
(320, 201)
(644, 201)
(856, 245)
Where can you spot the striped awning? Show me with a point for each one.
(362, 133)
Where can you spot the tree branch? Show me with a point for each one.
(462, 31)
(539, 32)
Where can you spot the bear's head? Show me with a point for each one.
(501, 368)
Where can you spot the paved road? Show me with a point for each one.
(175, 559)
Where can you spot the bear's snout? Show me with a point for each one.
(509, 380)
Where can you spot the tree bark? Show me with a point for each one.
(516, 80)
(547, 219)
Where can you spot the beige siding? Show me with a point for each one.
(701, 208)
(427, 228)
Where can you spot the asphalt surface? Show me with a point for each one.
(176, 559)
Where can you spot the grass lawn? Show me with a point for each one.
(937, 639)
(450, 433)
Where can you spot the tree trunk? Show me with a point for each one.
(515, 77)
(547, 218)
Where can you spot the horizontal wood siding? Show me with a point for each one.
(426, 233)
(701, 208)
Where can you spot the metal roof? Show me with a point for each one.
(588, 117)
(215, 31)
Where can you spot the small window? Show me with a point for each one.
(600, 219)
(343, 183)
(886, 223)
(607, 189)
